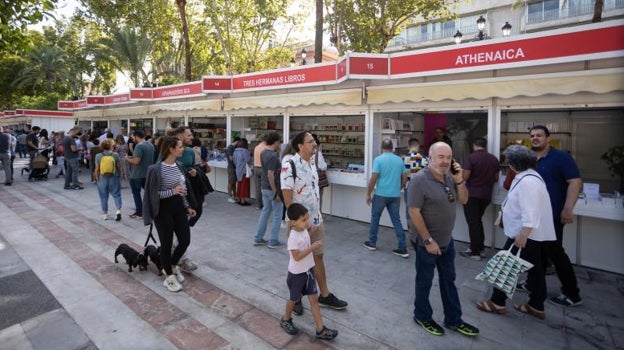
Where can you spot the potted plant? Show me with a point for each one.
(614, 157)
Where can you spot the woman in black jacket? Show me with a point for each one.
(167, 205)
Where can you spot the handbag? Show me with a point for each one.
(248, 171)
(503, 269)
(323, 181)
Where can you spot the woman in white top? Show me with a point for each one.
(528, 224)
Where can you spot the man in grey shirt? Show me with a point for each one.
(433, 194)
(271, 190)
(142, 158)
(72, 159)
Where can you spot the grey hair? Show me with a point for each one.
(520, 157)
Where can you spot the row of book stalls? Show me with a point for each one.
(495, 89)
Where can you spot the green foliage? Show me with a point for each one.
(368, 25)
(47, 70)
(614, 157)
(10, 65)
(15, 16)
(127, 50)
(46, 101)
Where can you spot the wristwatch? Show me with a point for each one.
(428, 240)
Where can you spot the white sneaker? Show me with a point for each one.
(187, 265)
(104, 216)
(231, 200)
(178, 274)
(171, 283)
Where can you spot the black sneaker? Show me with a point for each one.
(289, 327)
(401, 252)
(465, 329)
(564, 300)
(326, 334)
(298, 308)
(471, 255)
(332, 302)
(369, 246)
(261, 242)
(77, 187)
(430, 326)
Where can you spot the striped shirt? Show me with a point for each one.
(171, 176)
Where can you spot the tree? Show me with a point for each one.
(16, 15)
(598, 6)
(127, 50)
(318, 35)
(186, 40)
(243, 29)
(47, 68)
(368, 25)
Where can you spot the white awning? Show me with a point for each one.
(88, 113)
(211, 105)
(350, 97)
(566, 83)
(126, 111)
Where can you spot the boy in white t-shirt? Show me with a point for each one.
(300, 279)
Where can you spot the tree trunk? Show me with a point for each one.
(185, 38)
(318, 37)
(598, 11)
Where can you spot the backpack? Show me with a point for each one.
(107, 165)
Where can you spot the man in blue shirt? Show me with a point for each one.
(563, 182)
(387, 180)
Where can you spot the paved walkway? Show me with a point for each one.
(60, 288)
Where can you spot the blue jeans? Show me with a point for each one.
(136, 185)
(109, 185)
(71, 174)
(425, 264)
(269, 205)
(393, 204)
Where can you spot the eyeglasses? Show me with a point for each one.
(449, 194)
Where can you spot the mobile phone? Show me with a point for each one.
(453, 171)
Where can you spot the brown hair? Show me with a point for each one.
(107, 144)
(166, 144)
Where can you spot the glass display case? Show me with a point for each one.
(400, 127)
(342, 139)
(211, 132)
(254, 128)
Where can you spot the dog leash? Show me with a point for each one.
(150, 235)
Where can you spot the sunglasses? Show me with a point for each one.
(449, 194)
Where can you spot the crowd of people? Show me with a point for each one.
(170, 170)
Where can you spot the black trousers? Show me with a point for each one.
(172, 219)
(473, 211)
(536, 278)
(554, 251)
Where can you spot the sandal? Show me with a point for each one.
(489, 306)
(529, 310)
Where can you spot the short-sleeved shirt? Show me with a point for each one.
(68, 141)
(527, 205)
(299, 241)
(304, 189)
(484, 168)
(145, 151)
(429, 194)
(229, 152)
(556, 168)
(390, 168)
(187, 159)
(34, 139)
(98, 159)
(270, 161)
(414, 162)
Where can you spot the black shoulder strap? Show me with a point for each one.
(294, 169)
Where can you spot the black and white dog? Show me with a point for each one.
(133, 258)
(154, 255)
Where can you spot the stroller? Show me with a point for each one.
(40, 167)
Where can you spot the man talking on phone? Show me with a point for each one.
(433, 195)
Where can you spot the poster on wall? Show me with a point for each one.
(456, 129)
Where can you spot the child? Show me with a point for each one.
(300, 278)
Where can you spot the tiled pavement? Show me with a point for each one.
(235, 298)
